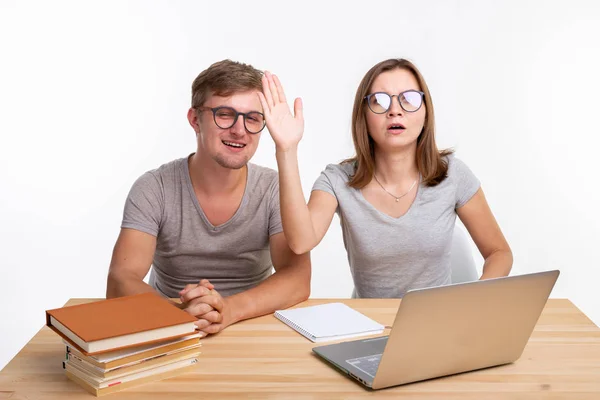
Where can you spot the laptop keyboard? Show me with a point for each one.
(367, 364)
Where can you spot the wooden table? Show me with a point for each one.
(263, 358)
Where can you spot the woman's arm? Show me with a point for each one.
(304, 225)
(485, 232)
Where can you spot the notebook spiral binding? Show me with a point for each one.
(298, 328)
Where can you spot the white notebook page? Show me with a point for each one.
(332, 321)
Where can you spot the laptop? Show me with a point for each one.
(447, 330)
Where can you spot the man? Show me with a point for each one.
(209, 224)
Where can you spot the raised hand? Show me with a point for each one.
(286, 129)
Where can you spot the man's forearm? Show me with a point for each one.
(119, 286)
(285, 288)
(124, 285)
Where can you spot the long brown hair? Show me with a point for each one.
(430, 162)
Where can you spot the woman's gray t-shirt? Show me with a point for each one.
(389, 256)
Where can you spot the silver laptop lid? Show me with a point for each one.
(456, 328)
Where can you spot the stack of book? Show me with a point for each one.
(118, 343)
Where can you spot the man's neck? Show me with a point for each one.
(212, 179)
(396, 167)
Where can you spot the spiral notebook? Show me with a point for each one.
(332, 321)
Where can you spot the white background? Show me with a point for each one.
(94, 94)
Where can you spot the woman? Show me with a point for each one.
(397, 199)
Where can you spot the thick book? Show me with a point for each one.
(118, 323)
(118, 358)
(137, 366)
(114, 385)
(326, 322)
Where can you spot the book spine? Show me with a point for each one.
(296, 327)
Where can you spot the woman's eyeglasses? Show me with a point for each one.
(410, 101)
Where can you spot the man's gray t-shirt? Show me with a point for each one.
(234, 256)
(389, 256)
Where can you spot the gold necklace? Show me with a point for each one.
(394, 196)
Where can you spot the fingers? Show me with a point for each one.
(215, 301)
(279, 88)
(202, 324)
(199, 331)
(206, 283)
(187, 288)
(197, 308)
(212, 328)
(213, 317)
(190, 286)
(298, 109)
(267, 92)
(273, 88)
(198, 291)
(206, 321)
(263, 103)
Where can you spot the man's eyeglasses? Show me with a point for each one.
(226, 117)
(410, 101)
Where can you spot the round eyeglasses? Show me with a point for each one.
(226, 117)
(380, 102)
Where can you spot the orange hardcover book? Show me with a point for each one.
(122, 322)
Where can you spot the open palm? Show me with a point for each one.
(285, 128)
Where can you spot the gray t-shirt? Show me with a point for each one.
(234, 256)
(389, 256)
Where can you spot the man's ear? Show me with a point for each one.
(193, 119)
